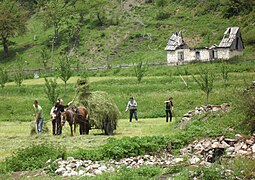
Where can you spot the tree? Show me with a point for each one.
(73, 23)
(53, 14)
(205, 81)
(64, 69)
(237, 7)
(45, 57)
(51, 90)
(19, 75)
(140, 70)
(12, 22)
(224, 72)
(3, 77)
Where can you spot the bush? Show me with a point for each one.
(162, 15)
(125, 147)
(143, 172)
(3, 77)
(33, 157)
(249, 38)
(210, 173)
(248, 106)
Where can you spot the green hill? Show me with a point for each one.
(112, 33)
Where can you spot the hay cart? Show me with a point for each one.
(103, 112)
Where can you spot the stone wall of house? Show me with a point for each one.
(204, 54)
(235, 53)
(172, 58)
(189, 55)
(223, 53)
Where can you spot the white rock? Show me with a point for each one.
(253, 148)
(70, 159)
(218, 145)
(238, 136)
(95, 166)
(81, 172)
(102, 168)
(178, 160)
(238, 146)
(207, 144)
(226, 145)
(194, 160)
(97, 171)
(140, 161)
(88, 174)
(60, 171)
(245, 147)
(248, 141)
(230, 149)
(242, 152)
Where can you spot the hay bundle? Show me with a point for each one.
(101, 107)
(33, 131)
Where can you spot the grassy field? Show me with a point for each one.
(158, 84)
(15, 135)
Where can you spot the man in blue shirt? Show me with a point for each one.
(132, 106)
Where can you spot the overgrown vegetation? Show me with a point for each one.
(33, 157)
(4, 77)
(205, 81)
(125, 147)
(51, 90)
(101, 37)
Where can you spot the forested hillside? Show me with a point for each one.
(105, 33)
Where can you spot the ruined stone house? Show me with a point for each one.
(178, 52)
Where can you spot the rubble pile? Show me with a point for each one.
(202, 152)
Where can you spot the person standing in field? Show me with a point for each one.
(53, 114)
(60, 108)
(169, 109)
(132, 106)
(38, 116)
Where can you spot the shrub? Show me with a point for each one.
(125, 147)
(144, 172)
(247, 105)
(162, 15)
(51, 90)
(33, 157)
(3, 77)
(210, 173)
(249, 38)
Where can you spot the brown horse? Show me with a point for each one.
(74, 118)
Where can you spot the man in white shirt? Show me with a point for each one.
(132, 106)
(38, 115)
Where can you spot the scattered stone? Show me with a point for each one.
(201, 152)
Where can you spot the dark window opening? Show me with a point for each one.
(180, 56)
(197, 55)
(237, 42)
(214, 54)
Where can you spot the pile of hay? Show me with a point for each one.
(101, 108)
(33, 131)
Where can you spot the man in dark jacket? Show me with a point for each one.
(169, 109)
(60, 108)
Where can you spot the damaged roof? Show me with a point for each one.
(229, 37)
(175, 41)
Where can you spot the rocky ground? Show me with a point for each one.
(203, 152)
(199, 153)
